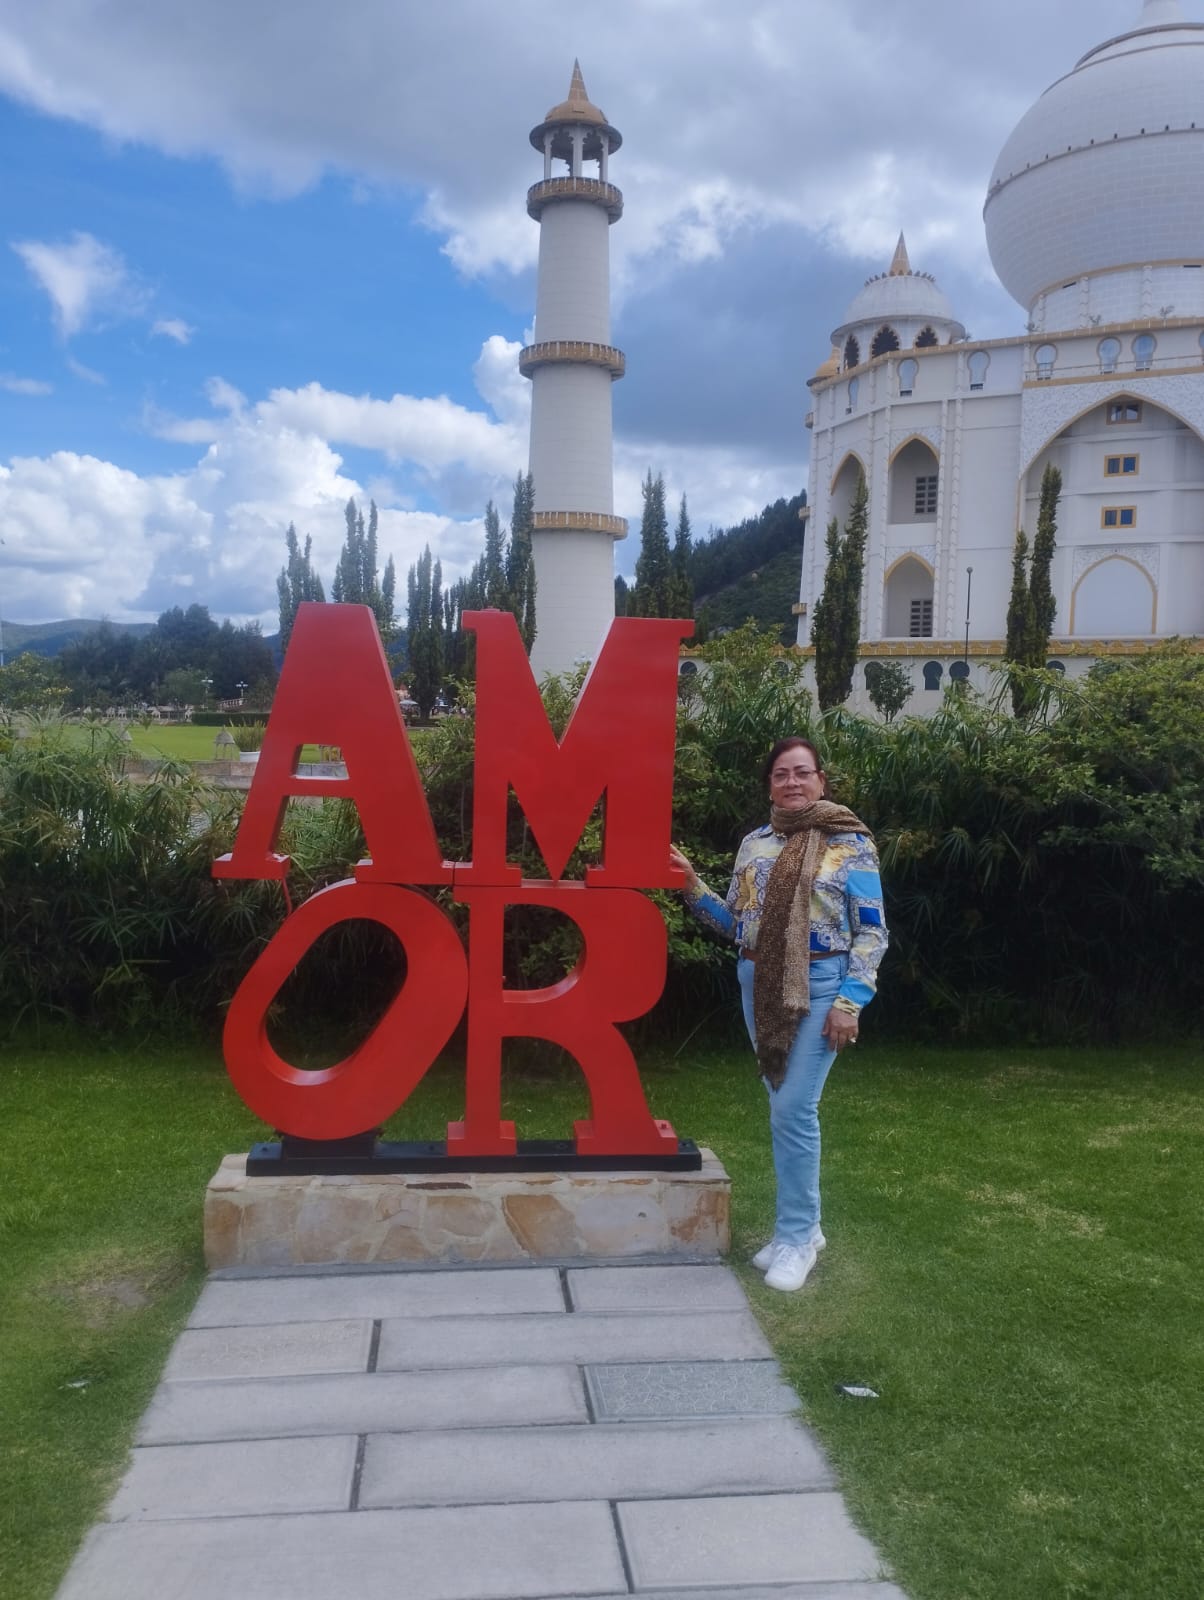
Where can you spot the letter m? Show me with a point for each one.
(619, 741)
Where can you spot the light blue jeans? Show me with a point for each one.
(794, 1108)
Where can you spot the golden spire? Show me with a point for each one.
(900, 266)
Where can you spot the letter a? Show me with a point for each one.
(335, 689)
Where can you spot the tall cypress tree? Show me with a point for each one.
(1045, 607)
(683, 549)
(424, 631)
(653, 594)
(297, 581)
(1031, 606)
(836, 626)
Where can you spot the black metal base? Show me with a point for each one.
(369, 1153)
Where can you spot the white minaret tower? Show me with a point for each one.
(571, 367)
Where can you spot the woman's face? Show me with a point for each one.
(795, 780)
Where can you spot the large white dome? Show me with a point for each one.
(1107, 169)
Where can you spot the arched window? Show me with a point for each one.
(979, 362)
(854, 388)
(1046, 355)
(1056, 666)
(959, 671)
(852, 353)
(933, 673)
(688, 669)
(909, 600)
(925, 338)
(914, 483)
(907, 375)
(1109, 354)
(885, 339)
(1143, 351)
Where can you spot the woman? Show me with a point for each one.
(805, 910)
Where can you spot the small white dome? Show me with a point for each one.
(890, 299)
(1107, 169)
(897, 297)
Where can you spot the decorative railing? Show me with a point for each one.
(581, 351)
(580, 522)
(592, 189)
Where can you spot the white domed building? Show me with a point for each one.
(1095, 224)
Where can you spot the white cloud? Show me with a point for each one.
(173, 328)
(86, 537)
(26, 386)
(88, 374)
(85, 280)
(732, 117)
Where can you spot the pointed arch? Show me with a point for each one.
(1105, 603)
(852, 353)
(1105, 393)
(849, 455)
(908, 598)
(926, 338)
(844, 487)
(914, 481)
(885, 340)
(913, 438)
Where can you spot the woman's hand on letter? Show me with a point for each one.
(679, 861)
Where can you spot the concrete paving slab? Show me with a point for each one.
(659, 1288)
(232, 1480)
(378, 1294)
(596, 1462)
(582, 1338)
(641, 1390)
(271, 1350)
(461, 1553)
(363, 1402)
(750, 1539)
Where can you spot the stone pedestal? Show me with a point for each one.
(460, 1216)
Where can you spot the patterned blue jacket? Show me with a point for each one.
(846, 904)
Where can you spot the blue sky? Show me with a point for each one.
(259, 258)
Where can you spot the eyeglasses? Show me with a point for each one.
(803, 772)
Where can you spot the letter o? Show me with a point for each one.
(367, 1086)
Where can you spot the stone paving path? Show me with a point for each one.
(519, 1433)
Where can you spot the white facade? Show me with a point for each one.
(572, 365)
(1095, 222)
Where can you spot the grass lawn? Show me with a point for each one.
(179, 742)
(1015, 1263)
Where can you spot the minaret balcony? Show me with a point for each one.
(592, 189)
(580, 352)
(579, 522)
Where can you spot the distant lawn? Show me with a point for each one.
(1015, 1263)
(178, 742)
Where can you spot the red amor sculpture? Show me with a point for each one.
(335, 689)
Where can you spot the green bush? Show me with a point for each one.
(1044, 877)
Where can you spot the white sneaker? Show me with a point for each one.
(763, 1259)
(791, 1265)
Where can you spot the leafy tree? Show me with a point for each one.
(357, 579)
(836, 627)
(683, 548)
(297, 581)
(654, 592)
(889, 687)
(622, 595)
(493, 570)
(31, 683)
(503, 578)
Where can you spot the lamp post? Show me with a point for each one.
(966, 646)
(241, 686)
(206, 684)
